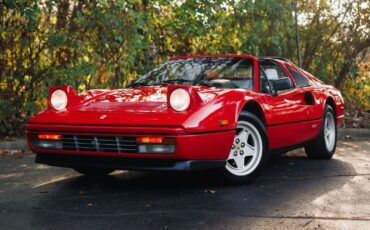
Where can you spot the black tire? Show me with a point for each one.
(244, 179)
(317, 148)
(94, 172)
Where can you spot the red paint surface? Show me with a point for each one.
(209, 146)
(144, 111)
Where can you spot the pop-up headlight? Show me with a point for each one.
(59, 99)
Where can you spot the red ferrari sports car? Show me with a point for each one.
(223, 112)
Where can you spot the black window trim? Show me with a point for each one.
(259, 80)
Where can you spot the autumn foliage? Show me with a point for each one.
(105, 44)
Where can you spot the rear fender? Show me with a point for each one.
(334, 98)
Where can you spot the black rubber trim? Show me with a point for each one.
(75, 161)
(294, 122)
(288, 148)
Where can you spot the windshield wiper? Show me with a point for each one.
(134, 84)
(205, 83)
(166, 82)
(174, 81)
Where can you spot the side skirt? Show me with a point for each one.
(287, 148)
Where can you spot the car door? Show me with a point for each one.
(290, 119)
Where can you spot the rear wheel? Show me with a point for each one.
(323, 147)
(94, 172)
(248, 154)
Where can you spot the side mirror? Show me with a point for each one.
(281, 84)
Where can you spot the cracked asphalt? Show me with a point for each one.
(293, 193)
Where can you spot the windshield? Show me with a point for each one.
(215, 72)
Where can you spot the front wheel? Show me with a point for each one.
(248, 154)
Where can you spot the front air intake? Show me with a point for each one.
(99, 143)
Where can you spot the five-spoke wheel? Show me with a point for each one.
(323, 146)
(248, 153)
(329, 131)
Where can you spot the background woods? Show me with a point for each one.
(92, 44)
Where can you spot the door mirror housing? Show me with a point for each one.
(281, 84)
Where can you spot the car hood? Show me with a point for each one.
(142, 106)
(132, 100)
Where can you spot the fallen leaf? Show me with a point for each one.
(210, 191)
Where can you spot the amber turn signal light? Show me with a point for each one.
(156, 145)
(154, 140)
(49, 136)
(223, 122)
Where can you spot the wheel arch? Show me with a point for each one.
(330, 101)
(254, 108)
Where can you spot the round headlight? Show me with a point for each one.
(180, 99)
(59, 99)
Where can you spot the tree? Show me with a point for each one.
(335, 37)
(106, 44)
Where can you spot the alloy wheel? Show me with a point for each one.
(246, 151)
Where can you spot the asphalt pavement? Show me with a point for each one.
(293, 193)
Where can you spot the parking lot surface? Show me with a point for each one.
(293, 192)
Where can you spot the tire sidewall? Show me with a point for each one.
(328, 109)
(257, 123)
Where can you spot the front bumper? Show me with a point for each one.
(211, 146)
(122, 163)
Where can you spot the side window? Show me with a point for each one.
(264, 83)
(299, 79)
(272, 70)
(239, 73)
